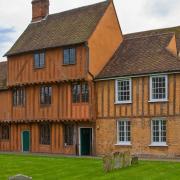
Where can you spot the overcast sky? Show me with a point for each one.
(134, 15)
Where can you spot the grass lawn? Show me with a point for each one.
(60, 168)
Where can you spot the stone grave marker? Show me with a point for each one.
(20, 177)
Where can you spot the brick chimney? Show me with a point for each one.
(40, 9)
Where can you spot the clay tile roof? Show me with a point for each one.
(175, 30)
(3, 75)
(142, 55)
(66, 28)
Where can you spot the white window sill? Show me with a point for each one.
(158, 100)
(123, 102)
(158, 145)
(123, 144)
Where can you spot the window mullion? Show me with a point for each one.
(160, 131)
(125, 135)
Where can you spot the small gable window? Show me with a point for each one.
(39, 60)
(45, 95)
(159, 88)
(18, 96)
(69, 56)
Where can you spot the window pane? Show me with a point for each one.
(159, 87)
(123, 90)
(76, 91)
(42, 60)
(36, 60)
(159, 131)
(85, 92)
(124, 131)
(45, 134)
(45, 94)
(39, 60)
(72, 54)
(66, 56)
(5, 131)
(68, 134)
(18, 96)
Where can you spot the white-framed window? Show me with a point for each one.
(123, 90)
(124, 132)
(159, 88)
(158, 132)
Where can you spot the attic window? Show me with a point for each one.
(69, 56)
(39, 60)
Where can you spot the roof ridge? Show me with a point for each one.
(151, 35)
(146, 31)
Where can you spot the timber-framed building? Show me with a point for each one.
(73, 84)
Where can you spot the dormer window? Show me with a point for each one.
(69, 56)
(39, 60)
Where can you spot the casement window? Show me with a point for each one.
(124, 132)
(123, 90)
(68, 134)
(45, 134)
(18, 96)
(84, 92)
(80, 92)
(39, 60)
(45, 95)
(159, 88)
(69, 56)
(4, 130)
(158, 128)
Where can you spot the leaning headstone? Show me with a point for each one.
(117, 160)
(20, 177)
(127, 159)
(107, 162)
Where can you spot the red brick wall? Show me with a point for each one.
(140, 136)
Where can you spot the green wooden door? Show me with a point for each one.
(86, 141)
(26, 141)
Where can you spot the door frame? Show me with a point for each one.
(79, 131)
(22, 141)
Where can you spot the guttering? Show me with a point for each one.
(136, 76)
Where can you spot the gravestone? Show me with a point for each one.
(20, 177)
(118, 160)
(134, 160)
